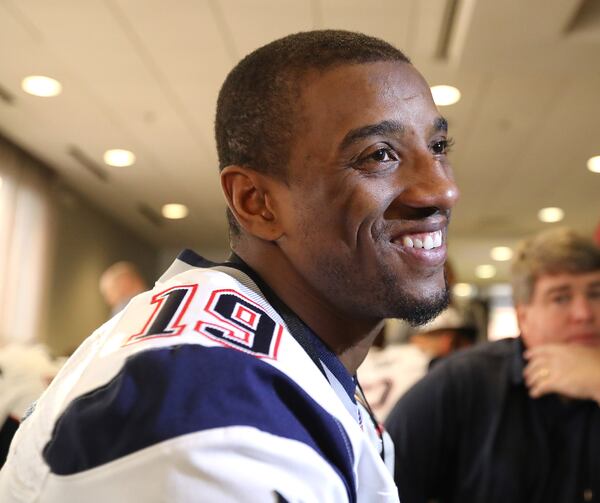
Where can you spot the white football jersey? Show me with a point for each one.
(206, 388)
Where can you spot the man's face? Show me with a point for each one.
(369, 192)
(564, 309)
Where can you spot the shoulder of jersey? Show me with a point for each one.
(201, 306)
(191, 355)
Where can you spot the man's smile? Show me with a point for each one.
(427, 240)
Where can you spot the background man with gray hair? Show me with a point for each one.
(516, 420)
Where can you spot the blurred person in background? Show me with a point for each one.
(519, 419)
(388, 372)
(449, 332)
(25, 372)
(119, 284)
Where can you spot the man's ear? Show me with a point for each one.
(251, 202)
(521, 313)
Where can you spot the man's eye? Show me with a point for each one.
(383, 155)
(560, 299)
(441, 147)
(594, 295)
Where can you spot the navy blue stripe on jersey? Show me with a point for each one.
(163, 393)
(9, 428)
(336, 367)
(190, 257)
(280, 498)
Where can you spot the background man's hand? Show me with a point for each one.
(569, 370)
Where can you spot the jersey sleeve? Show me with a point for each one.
(238, 464)
(181, 421)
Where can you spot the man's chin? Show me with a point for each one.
(420, 311)
(591, 341)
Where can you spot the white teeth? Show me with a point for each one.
(428, 241)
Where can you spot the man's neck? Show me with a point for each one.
(348, 337)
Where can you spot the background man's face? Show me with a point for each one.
(370, 191)
(564, 308)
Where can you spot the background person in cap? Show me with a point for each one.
(387, 373)
(519, 419)
(447, 333)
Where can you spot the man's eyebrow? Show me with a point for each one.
(383, 128)
(440, 124)
(557, 289)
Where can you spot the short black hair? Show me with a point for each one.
(256, 114)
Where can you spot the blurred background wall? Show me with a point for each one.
(87, 241)
(55, 246)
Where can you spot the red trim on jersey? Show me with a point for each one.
(239, 316)
(177, 326)
(248, 337)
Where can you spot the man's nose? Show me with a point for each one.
(429, 183)
(582, 309)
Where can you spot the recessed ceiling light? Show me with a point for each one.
(445, 95)
(551, 215)
(485, 271)
(39, 85)
(463, 290)
(593, 164)
(501, 253)
(119, 157)
(174, 211)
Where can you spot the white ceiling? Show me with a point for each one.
(144, 75)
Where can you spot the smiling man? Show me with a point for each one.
(516, 420)
(235, 381)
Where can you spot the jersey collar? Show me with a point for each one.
(322, 356)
